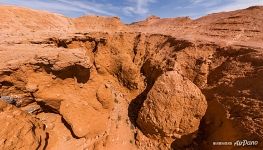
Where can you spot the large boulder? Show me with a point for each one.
(59, 135)
(19, 130)
(85, 119)
(173, 108)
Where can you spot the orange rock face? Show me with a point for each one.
(19, 130)
(162, 113)
(96, 83)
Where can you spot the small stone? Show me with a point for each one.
(81, 85)
(32, 88)
(8, 99)
(53, 77)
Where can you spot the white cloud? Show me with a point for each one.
(65, 6)
(197, 1)
(139, 7)
(201, 3)
(236, 4)
(90, 7)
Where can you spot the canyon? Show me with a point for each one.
(94, 82)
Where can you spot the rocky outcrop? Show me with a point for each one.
(95, 83)
(19, 130)
(15, 21)
(173, 108)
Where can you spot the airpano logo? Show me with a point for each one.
(237, 143)
(245, 143)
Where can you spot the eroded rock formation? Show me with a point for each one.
(173, 108)
(96, 83)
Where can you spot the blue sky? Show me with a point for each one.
(134, 10)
